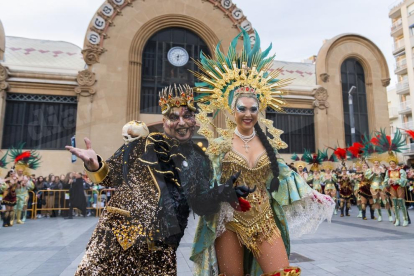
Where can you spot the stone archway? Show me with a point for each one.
(328, 70)
(113, 48)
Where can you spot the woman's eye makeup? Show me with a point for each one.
(243, 109)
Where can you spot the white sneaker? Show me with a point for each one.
(335, 212)
(379, 218)
(390, 219)
(405, 223)
(359, 214)
(39, 216)
(397, 222)
(411, 207)
(88, 214)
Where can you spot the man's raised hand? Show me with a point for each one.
(88, 155)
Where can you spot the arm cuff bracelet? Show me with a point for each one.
(99, 175)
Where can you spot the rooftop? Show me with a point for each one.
(36, 55)
(303, 74)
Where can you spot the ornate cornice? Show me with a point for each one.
(105, 16)
(86, 79)
(321, 97)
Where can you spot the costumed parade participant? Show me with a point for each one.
(158, 177)
(395, 177)
(364, 191)
(257, 241)
(355, 153)
(3, 189)
(330, 180)
(9, 198)
(345, 186)
(300, 166)
(316, 178)
(24, 161)
(376, 175)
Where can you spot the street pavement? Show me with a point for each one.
(347, 246)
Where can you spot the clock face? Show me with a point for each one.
(178, 56)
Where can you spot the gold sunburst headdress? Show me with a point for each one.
(227, 76)
(247, 72)
(176, 97)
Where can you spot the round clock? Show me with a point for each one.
(178, 56)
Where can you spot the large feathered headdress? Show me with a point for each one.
(226, 76)
(25, 159)
(313, 159)
(3, 161)
(391, 145)
(298, 161)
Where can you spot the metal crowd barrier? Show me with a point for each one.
(58, 200)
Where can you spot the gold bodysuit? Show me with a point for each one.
(257, 224)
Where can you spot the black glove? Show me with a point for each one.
(244, 191)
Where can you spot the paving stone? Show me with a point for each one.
(347, 246)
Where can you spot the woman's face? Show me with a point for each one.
(246, 112)
(40, 179)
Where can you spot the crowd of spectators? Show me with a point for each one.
(67, 195)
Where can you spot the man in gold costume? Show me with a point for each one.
(158, 177)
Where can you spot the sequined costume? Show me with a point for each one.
(316, 180)
(330, 180)
(345, 194)
(365, 196)
(356, 181)
(376, 178)
(140, 228)
(295, 205)
(396, 179)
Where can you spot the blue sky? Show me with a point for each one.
(296, 28)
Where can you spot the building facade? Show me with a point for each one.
(402, 32)
(125, 63)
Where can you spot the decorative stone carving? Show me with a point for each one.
(324, 77)
(91, 54)
(321, 96)
(385, 82)
(106, 15)
(86, 79)
(3, 77)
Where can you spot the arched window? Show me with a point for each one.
(160, 69)
(352, 74)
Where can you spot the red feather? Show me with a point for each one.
(389, 140)
(340, 153)
(375, 140)
(356, 149)
(410, 132)
(21, 156)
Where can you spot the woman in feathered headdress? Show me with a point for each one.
(376, 176)
(300, 166)
(241, 86)
(24, 161)
(395, 177)
(330, 178)
(315, 160)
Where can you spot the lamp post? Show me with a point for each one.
(351, 113)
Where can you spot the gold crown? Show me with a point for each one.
(175, 97)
